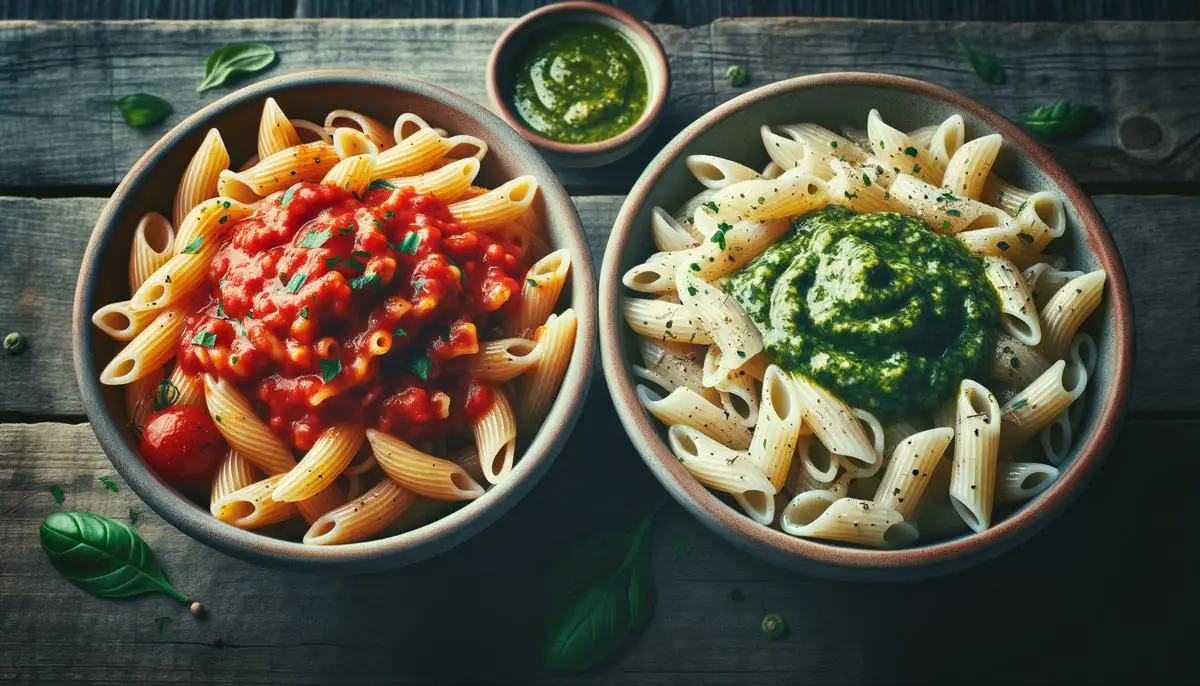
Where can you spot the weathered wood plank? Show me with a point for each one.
(1087, 592)
(47, 238)
(1126, 69)
(459, 9)
(145, 9)
(694, 12)
(63, 141)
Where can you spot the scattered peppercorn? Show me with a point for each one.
(737, 75)
(196, 609)
(14, 343)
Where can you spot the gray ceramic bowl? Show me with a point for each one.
(507, 51)
(151, 184)
(732, 130)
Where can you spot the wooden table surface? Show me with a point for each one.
(1104, 593)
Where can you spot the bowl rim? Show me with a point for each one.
(399, 549)
(654, 105)
(823, 558)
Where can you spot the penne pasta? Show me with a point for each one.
(120, 321)
(153, 245)
(352, 173)
(496, 438)
(1039, 403)
(304, 162)
(421, 473)
(1017, 482)
(148, 351)
(834, 423)
(362, 517)
(794, 192)
(717, 172)
(419, 151)
(715, 311)
(909, 470)
(242, 429)
(496, 207)
(943, 211)
(900, 153)
(718, 466)
(686, 407)
(976, 444)
(254, 505)
(1019, 317)
(849, 520)
(968, 169)
(446, 183)
(663, 320)
(504, 359)
(539, 386)
(233, 474)
(376, 131)
(1066, 311)
(668, 233)
(324, 462)
(778, 428)
(1002, 194)
(1015, 364)
(275, 132)
(540, 291)
(201, 177)
(139, 399)
(1043, 281)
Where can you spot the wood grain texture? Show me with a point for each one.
(1089, 590)
(57, 73)
(1154, 235)
(145, 9)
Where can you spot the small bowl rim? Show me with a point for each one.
(393, 551)
(844, 562)
(654, 105)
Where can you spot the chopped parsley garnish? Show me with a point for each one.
(330, 369)
(399, 332)
(916, 169)
(221, 310)
(1018, 405)
(833, 144)
(866, 179)
(718, 236)
(947, 197)
(910, 151)
(287, 197)
(354, 263)
(710, 206)
(381, 183)
(409, 245)
(378, 224)
(296, 282)
(953, 213)
(346, 229)
(389, 215)
(361, 253)
(205, 338)
(694, 267)
(945, 224)
(233, 360)
(165, 395)
(193, 247)
(692, 291)
(761, 200)
(532, 283)
(364, 281)
(421, 366)
(316, 239)
(109, 484)
(304, 312)
(332, 262)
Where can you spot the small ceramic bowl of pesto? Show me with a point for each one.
(584, 82)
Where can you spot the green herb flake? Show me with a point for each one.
(378, 224)
(412, 241)
(1002, 245)
(986, 67)
(368, 279)
(761, 200)
(288, 195)
(692, 291)
(316, 239)
(303, 312)
(205, 338)
(234, 59)
(532, 283)
(330, 369)
(57, 492)
(161, 623)
(296, 282)
(422, 366)
(378, 184)
(110, 484)
(718, 236)
(399, 332)
(1018, 405)
(332, 262)
(140, 110)
(1025, 238)
(910, 151)
(355, 264)
(946, 224)
(193, 247)
(361, 253)
(134, 515)
(710, 207)
(694, 267)
(866, 179)
(953, 213)
(166, 394)
(916, 169)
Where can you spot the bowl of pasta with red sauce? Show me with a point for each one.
(865, 327)
(336, 320)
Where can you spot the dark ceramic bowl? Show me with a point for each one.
(151, 185)
(732, 130)
(508, 49)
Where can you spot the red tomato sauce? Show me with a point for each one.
(323, 307)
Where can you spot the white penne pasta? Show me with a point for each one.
(322, 464)
(1043, 281)
(936, 516)
(153, 245)
(1055, 438)
(1066, 311)
(850, 520)
(1013, 243)
(446, 183)
(540, 291)
(348, 142)
(496, 438)
(242, 429)
(422, 473)
(467, 458)
(834, 423)
(943, 211)
(1015, 364)
(199, 180)
(946, 139)
(352, 173)
(503, 360)
(900, 152)
(311, 132)
(663, 320)
(771, 171)
(362, 517)
(376, 131)
(234, 473)
(717, 172)
(1002, 194)
(408, 124)
(806, 506)
(976, 446)
(1083, 353)
(778, 429)
(139, 399)
(210, 217)
(418, 152)
(818, 466)
(909, 470)
(872, 426)
(897, 431)
(717, 466)
(668, 233)
(732, 248)
(253, 506)
(1017, 482)
(968, 169)
(673, 368)
(186, 389)
(149, 350)
(539, 386)
(757, 505)
(852, 187)
(1043, 212)
(275, 131)
(656, 275)
(686, 214)
(1019, 317)
(1039, 403)
(737, 390)
(304, 162)
(688, 408)
(789, 153)
(794, 192)
(821, 139)
(120, 321)
(731, 330)
(498, 206)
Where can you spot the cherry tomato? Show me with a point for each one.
(182, 445)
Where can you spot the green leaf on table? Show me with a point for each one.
(141, 109)
(109, 483)
(986, 67)
(605, 595)
(57, 492)
(103, 556)
(161, 623)
(1061, 121)
(237, 58)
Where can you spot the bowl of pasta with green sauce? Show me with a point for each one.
(335, 321)
(865, 327)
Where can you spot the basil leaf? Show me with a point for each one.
(986, 67)
(103, 556)
(1061, 121)
(142, 109)
(597, 619)
(238, 58)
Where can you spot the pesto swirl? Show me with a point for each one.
(876, 307)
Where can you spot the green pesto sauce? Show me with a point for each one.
(580, 84)
(876, 307)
